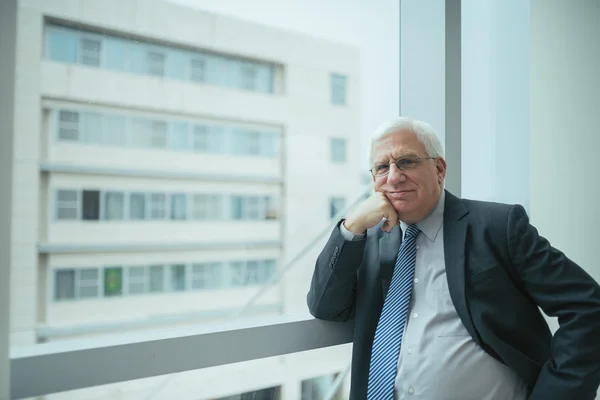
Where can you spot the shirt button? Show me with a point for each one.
(417, 247)
(415, 315)
(410, 351)
(416, 280)
(411, 390)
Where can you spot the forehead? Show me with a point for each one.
(399, 143)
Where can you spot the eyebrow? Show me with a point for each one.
(409, 153)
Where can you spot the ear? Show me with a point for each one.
(440, 166)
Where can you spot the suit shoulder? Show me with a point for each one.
(489, 211)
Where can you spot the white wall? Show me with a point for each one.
(565, 126)
(495, 100)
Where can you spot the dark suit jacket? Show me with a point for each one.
(499, 271)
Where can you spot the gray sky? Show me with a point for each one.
(373, 25)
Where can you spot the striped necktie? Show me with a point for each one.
(388, 336)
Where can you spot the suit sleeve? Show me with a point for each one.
(332, 292)
(564, 290)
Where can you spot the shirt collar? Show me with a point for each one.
(432, 223)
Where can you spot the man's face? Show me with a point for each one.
(413, 191)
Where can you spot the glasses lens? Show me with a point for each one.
(380, 170)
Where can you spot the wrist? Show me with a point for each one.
(353, 227)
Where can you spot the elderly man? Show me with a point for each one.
(444, 292)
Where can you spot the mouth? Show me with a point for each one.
(397, 194)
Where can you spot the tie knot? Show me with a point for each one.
(412, 231)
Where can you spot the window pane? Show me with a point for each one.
(136, 280)
(91, 205)
(206, 276)
(91, 131)
(248, 73)
(338, 89)
(114, 130)
(155, 63)
(115, 205)
(236, 207)
(338, 150)
(88, 283)
(90, 52)
(159, 135)
(179, 206)
(157, 278)
(66, 204)
(64, 284)
(62, 46)
(115, 51)
(140, 133)
(179, 139)
(137, 206)
(238, 273)
(113, 281)
(158, 206)
(198, 67)
(68, 125)
(178, 277)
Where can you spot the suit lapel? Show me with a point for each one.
(455, 235)
(389, 245)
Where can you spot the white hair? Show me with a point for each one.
(425, 134)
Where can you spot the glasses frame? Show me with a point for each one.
(419, 161)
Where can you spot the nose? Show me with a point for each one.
(395, 175)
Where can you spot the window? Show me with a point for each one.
(251, 272)
(136, 280)
(135, 56)
(157, 278)
(91, 205)
(206, 276)
(247, 142)
(178, 139)
(250, 207)
(115, 51)
(178, 277)
(338, 150)
(158, 206)
(179, 207)
(338, 89)
(137, 206)
(158, 135)
(248, 77)
(206, 207)
(61, 45)
(90, 52)
(68, 125)
(67, 203)
(91, 128)
(88, 283)
(149, 134)
(64, 284)
(198, 70)
(114, 132)
(114, 205)
(113, 281)
(156, 63)
(271, 207)
(336, 204)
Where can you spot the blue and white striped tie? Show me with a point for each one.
(388, 336)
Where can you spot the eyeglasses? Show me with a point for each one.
(403, 164)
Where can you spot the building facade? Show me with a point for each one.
(168, 163)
